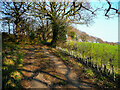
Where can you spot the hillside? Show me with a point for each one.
(39, 66)
(87, 37)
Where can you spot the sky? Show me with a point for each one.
(106, 29)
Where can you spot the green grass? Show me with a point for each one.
(90, 72)
(11, 65)
(97, 51)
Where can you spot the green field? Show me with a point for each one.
(99, 52)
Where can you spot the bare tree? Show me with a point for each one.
(15, 10)
(62, 14)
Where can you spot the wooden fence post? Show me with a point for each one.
(113, 72)
(105, 68)
(87, 61)
(69, 52)
(97, 65)
(93, 64)
(72, 53)
(79, 55)
(83, 57)
(108, 72)
(101, 65)
(75, 54)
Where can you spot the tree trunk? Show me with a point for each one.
(22, 38)
(9, 26)
(14, 29)
(18, 32)
(55, 34)
(43, 35)
(54, 40)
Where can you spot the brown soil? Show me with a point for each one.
(42, 69)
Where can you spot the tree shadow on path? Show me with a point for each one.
(42, 69)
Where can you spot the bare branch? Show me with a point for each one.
(87, 9)
(106, 14)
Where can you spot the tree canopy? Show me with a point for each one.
(51, 19)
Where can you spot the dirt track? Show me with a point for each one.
(42, 69)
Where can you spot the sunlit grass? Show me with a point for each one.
(16, 75)
(12, 61)
(85, 72)
(90, 72)
(8, 62)
(97, 51)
